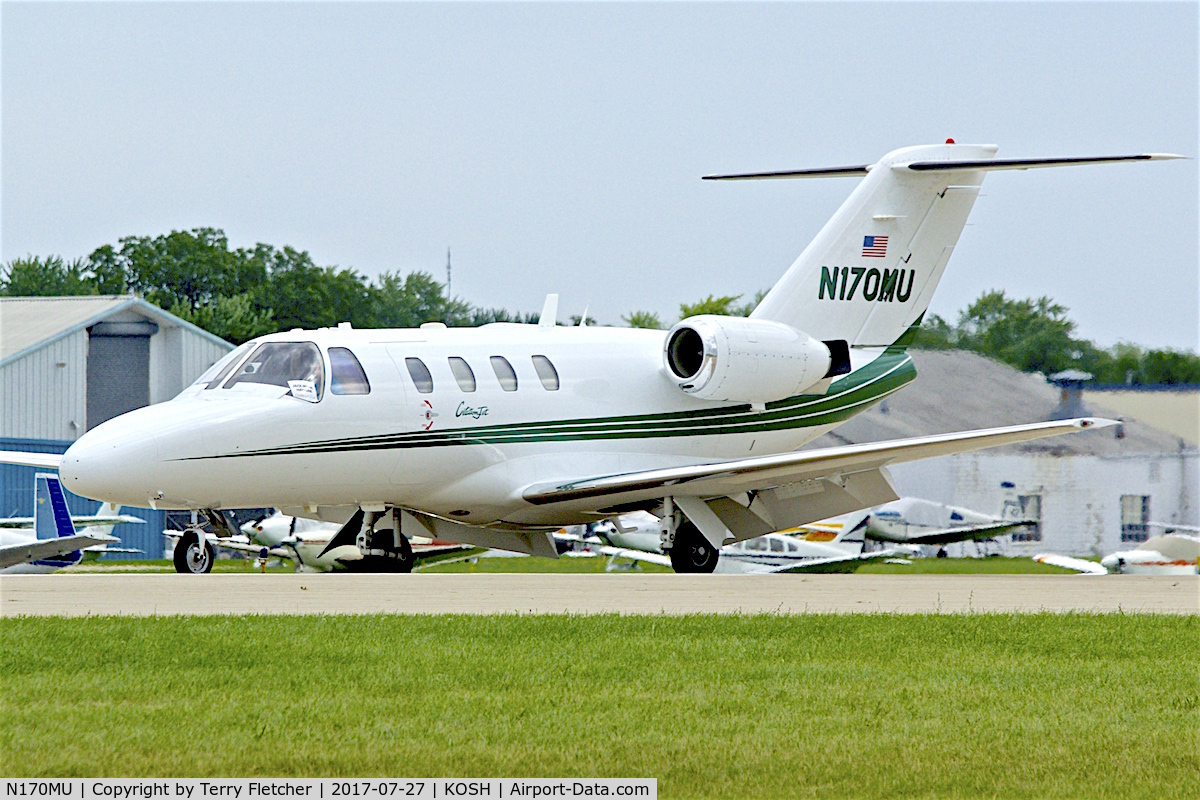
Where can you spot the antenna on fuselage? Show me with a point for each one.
(549, 316)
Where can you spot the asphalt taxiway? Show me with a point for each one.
(163, 595)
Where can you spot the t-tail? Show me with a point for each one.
(52, 518)
(870, 273)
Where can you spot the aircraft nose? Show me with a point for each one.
(114, 462)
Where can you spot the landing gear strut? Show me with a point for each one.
(193, 555)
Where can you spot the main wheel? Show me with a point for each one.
(385, 556)
(691, 551)
(192, 558)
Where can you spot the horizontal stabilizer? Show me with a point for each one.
(39, 460)
(823, 172)
(978, 165)
(992, 165)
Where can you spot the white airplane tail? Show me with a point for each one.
(870, 273)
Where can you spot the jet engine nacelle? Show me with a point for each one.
(747, 360)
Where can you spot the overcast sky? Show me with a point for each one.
(560, 147)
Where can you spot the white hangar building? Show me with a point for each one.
(68, 364)
(1093, 492)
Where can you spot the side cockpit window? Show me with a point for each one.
(347, 376)
(297, 366)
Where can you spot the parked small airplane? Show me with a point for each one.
(499, 435)
(1166, 554)
(908, 521)
(48, 540)
(306, 543)
(911, 520)
(638, 539)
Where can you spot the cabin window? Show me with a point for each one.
(776, 546)
(1135, 513)
(220, 370)
(793, 547)
(419, 374)
(297, 366)
(504, 373)
(758, 544)
(462, 373)
(546, 372)
(346, 374)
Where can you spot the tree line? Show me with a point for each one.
(242, 293)
(1036, 335)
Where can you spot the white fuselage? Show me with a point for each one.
(462, 455)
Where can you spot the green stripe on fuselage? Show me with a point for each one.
(846, 397)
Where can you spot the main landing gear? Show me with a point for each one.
(382, 550)
(691, 552)
(684, 544)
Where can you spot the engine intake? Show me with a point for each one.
(745, 360)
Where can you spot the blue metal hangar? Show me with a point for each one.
(68, 364)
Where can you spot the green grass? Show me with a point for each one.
(761, 706)
(993, 565)
(152, 565)
(564, 565)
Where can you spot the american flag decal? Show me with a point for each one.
(874, 246)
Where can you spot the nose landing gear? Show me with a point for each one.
(193, 555)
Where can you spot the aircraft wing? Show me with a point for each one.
(846, 563)
(39, 460)
(13, 554)
(633, 555)
(789, 488)
(984, 530)
(1066, 562)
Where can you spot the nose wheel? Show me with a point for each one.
(193, 555)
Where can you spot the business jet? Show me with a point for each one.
(48, 540)
(499, 435)
(309, 545)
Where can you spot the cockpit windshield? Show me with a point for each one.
(217, 372)
(296, 366)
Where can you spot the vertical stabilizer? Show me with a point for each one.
(51, 517)
(871, 271)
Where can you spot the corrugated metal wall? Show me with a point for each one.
(40, 399)
(198, 355)
(16, 497)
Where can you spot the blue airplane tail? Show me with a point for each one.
(52, 518)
